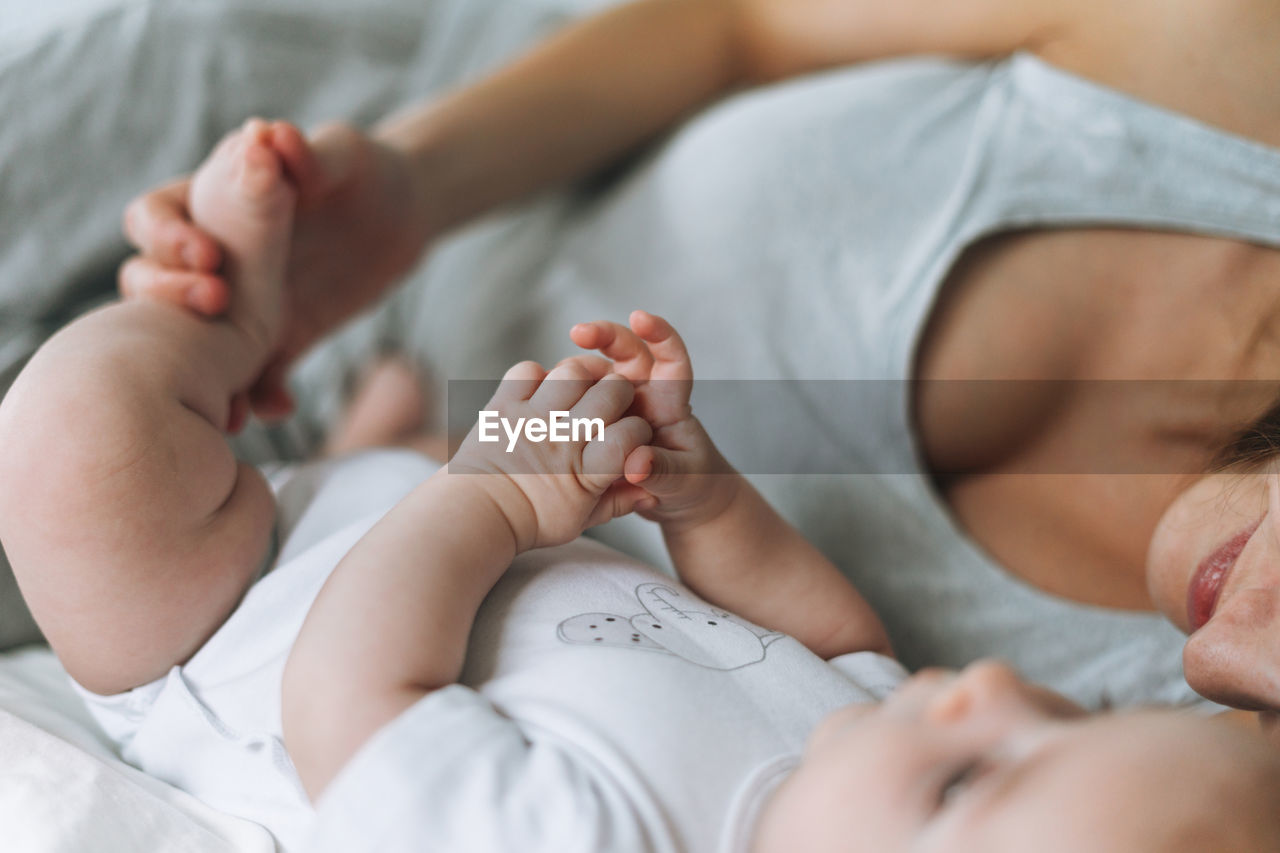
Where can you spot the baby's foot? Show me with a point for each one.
(388, 409)
(241, 197)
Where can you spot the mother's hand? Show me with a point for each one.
(362, 222)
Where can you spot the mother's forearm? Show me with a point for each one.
(574, 104)
(611, 82)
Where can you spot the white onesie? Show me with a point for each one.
(603, 706)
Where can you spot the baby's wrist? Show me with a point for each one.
(508, 507)
(720, 490)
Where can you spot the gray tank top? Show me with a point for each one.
(802, 232)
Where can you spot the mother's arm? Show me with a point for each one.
(371, 203)
(613, 81)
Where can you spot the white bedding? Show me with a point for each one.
(64, 789)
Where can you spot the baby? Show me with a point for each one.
(455, 669)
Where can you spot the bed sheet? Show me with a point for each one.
(64, 790)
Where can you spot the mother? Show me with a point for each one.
(1091, 222)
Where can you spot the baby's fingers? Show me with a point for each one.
(238, 413)
(665, 399)
(593, 365)
(670, 356)
(269, 397)
(602, 460)
(630, 354)
(607, 399)
(565, 386)
(661, 472)
(519, 383)
(621, 498)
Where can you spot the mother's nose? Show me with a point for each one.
(1235, 658)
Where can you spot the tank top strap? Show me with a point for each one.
(1046, 148)
(1066, 150)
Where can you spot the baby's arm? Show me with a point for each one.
(131, 528)
(391, 623)
(749, 560)
(727, 543)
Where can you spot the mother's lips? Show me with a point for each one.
(1207, 582)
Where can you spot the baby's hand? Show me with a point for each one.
(550, 491)
(684, 478)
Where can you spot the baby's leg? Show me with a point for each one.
(388, 409)
(132, 529)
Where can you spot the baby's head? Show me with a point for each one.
(982, 762)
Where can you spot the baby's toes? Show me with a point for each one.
(259, 179)
(243, 176)
(242, 198)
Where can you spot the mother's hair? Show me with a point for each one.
(1252, 446)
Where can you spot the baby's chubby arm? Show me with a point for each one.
(392, 622)
(727, 543)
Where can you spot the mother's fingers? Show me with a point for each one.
(159, 225)
(143, 278)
